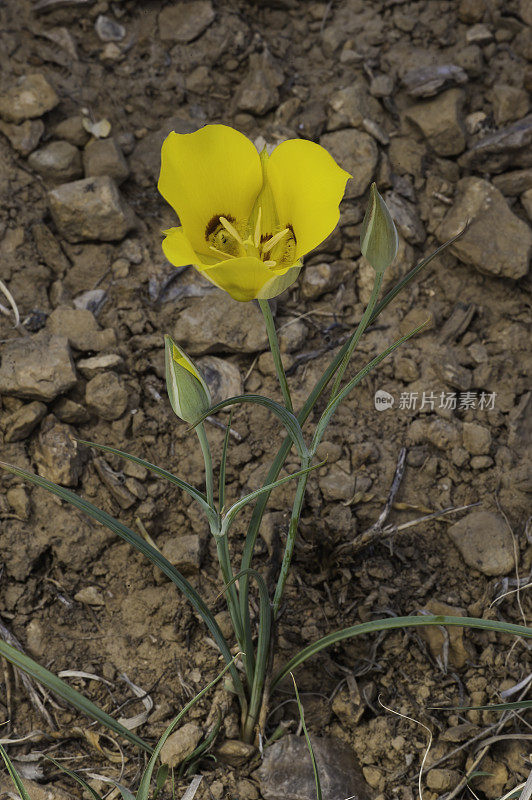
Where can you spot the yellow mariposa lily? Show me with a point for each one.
(247, 219)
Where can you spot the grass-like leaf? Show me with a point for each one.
(142, 546)
(67, 693)
(15, 777)
(309, 743)
(393, 623)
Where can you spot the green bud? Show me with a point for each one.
(188, 392)
(378, 238)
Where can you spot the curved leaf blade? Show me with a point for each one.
(397, 622)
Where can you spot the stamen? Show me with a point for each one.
(274, 240)
(270, 263)
(257, 228)
(220, 252)
(231, 229)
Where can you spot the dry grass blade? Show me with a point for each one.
(11, 300)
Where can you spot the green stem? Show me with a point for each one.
(362, 325)
(276, 353)
(290, 542)
(233, 605)
(207, 458)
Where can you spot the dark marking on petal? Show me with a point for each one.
(214, 223)
(291, 229)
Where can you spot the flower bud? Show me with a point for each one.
(378, 239)
(188, 392)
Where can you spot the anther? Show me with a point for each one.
(231, 229)
(270, 263)
(274, 240)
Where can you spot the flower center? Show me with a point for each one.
(276, 250)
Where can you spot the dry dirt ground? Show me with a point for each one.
(428, 98)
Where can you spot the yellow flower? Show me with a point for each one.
(247, 219)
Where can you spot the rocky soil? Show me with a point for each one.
(431, 100)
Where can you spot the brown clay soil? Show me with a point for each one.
(274, 70)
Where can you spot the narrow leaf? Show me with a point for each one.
(142, 546)
(309, 743)
(398, 622)
(15, 777)
(67, 693)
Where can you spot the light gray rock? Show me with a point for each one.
(21, 422)
(485, 542)
(497, 242)
(29, 97)
(509, 147)
(90, 209)
(106, 396)
(406, 217)
(25, 137)
(57, 454)
(258, 92)
(356, 152)
(286, 771)
(180, 744)
(476, 438)
(441, 122)
(104, 157)
(514, 183)
(318, 279)
(184, 552)
(89, 367)
(108, 30)
(57, 162)
(81, 329)
(185, 21)
(215, 324)
(509, 103)
(223, 378)
(429, 81)
(349, 106)
(37, 367)
(337, 484)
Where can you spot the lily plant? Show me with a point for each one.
(247, 220)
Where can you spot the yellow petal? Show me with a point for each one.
(213, 172)
(308, 186)
(248, 278)
(178, 249)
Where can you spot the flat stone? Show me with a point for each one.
(184, 552)
(29, 97)
(90, 209)
(258, 92)
(440, 121)
(72, 130)
(37, 367)
(286, 771)
(406, 217)
(49, 248)
(497, 242)
(485, 542)
(81, 329)
(21, 422)
(106, 396)
(318, 279)
(104, 157)
(90, 596)
(57, 162)
(337, 484)
(450, 643)
(509, 147)
(184, 22)
(221, 376)
(429, 81)
(351, 105)
(476, 438)
(89, 367)
(57, 454)
(509, 103)
(234, 752)
(108, 29)
(513, 183)
(356, 152)
(25, 137)
(215, 324)
(181, 744)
